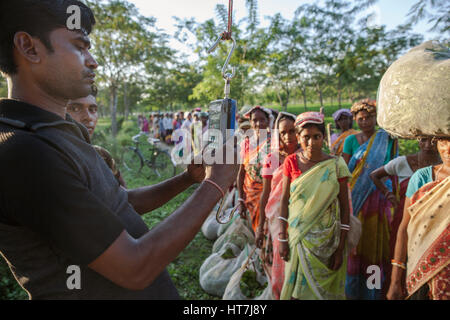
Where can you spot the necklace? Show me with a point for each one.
(307, 159)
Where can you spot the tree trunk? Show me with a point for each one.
(288, 93)
(320, 96)
(279, 98)
(304, 98)
(350, 95)
(113, 104)
(125, 101)
(339, 90)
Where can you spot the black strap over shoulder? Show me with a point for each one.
(33, 128)
(15, 123)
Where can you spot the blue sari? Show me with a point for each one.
(374, 212)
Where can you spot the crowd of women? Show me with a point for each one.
(301, 202)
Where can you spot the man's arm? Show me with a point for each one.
(135, 263)
(146, 199)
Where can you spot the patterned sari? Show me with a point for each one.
(273, 210)
(374, 212)
(338, 145)
(429, 240)
(314, 234)
(253, 163)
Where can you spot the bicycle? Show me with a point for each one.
(159, 161)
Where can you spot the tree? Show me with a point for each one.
(249, 51)
(123, 42)
(436, 11)
(173, 87)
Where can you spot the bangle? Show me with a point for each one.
(398, 264)
(345, 227)
(283, 240)
(217, 186)
(241, 200)
(284, 219)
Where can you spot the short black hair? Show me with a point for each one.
(38, 18)
(259, 109)
(320, 126)
(284, 117)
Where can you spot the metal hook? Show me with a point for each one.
(226, 76)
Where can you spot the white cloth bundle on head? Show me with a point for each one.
(414, 96)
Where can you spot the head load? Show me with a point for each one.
(414, 93)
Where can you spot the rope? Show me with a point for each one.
(226, 35)
(230, 16)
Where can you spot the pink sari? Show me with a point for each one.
(273, 210)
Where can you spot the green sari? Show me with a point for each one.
(314, 234)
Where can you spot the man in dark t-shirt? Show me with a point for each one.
(67, 229)
(84, 111)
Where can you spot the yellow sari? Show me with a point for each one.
(314, 234)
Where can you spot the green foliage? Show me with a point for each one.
(435, 11)
(228, 254)
(408, 147)
(9, 288)
(250, 286)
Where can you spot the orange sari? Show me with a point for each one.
(338, 146)
(253, 163)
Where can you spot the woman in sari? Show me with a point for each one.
(253, 151)
(343, 119)
(400, 170)
(314, 217)
(365, 152)
(422, 248)
(268, 228)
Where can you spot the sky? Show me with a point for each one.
(388, 12)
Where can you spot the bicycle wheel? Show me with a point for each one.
(132, 161)
(163, 165)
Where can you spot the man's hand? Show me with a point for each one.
(195, 172)
(225, 174)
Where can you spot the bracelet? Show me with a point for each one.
(241, 200)
(283, 240)
(217, 186)
(345, 227)
(398, 264)
(284, 219)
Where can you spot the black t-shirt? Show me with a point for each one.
(60, 205)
